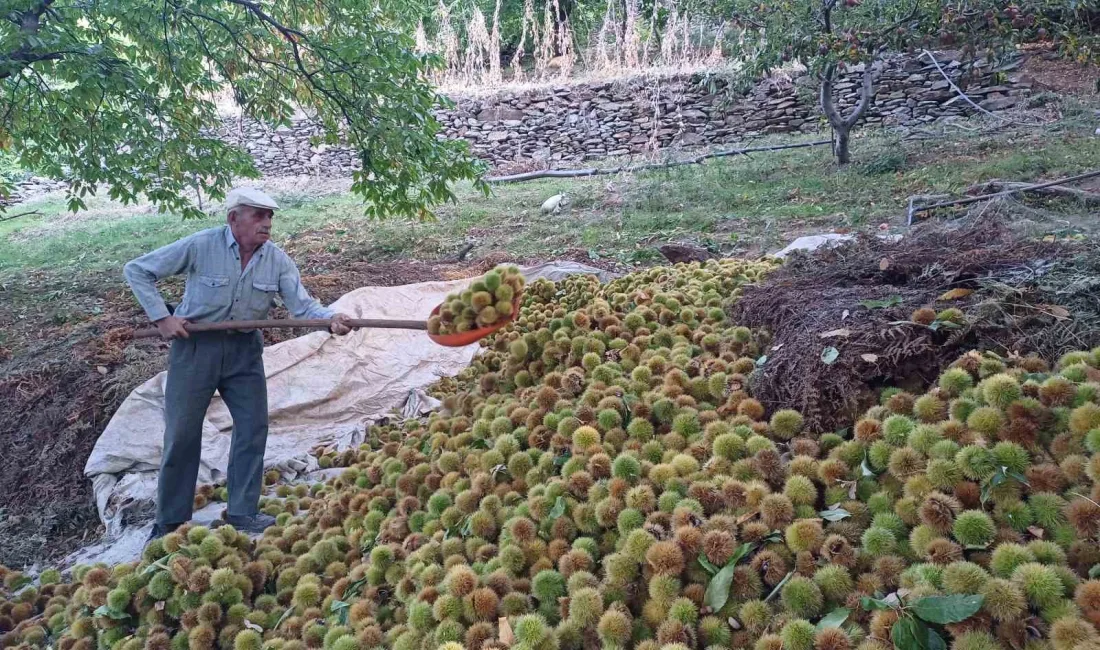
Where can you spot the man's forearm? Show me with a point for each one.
(316, 310)
(297, 299)
(143, 284)
(143, 273)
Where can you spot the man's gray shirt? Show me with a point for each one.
(217, 289)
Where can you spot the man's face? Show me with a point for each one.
(251, 226)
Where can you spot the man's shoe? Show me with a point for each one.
(252, 524)
(160, 530)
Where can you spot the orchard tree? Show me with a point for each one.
(121, 93)
(834, 36)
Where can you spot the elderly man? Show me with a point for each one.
(233, 273)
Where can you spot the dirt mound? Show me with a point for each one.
(49, 428)
(841, 318)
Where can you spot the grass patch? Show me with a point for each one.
(734, 204)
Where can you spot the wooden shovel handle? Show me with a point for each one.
(314, 323)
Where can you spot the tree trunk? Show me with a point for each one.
(840, 144)
(842, 126)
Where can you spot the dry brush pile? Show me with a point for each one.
(601, 478)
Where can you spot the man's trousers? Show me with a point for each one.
(232, 364)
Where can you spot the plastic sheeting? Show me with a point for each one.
(322, 390)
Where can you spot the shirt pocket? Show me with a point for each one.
(262, 296)
(210, 291)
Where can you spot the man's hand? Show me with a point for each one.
(340, 325)
(171, 327)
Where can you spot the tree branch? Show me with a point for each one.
(995, 186)
(292, 36)
(827, 105)
(12, 217)
(836, 120)
(29, 19)
(864, 98)
(1013, 188)
(752, 23)
(827, 15)
(30, 24)
(899, 23)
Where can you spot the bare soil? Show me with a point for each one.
(1058, 75)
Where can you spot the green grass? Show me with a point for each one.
(743, 204)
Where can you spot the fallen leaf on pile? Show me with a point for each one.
(844, 331)
(747, 516)
(869, 358)
(955, 294)
(505, 632)
(1061, 313)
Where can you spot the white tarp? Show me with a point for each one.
(322, 390)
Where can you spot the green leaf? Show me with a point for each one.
(161, 564)
(834, 514)
(947, 609)
(354, 589)
(1094, 571)
(905, 635)
(286, 615)
(829, 355)
(340, 609)
(761, 361)
(891, 301)
(707, 565)
(108, 612)
(935, 641)
(558, 510)
(480, 443)
(741, 552)
(937, 325)
(869, 604)
(718, 589)
(779, 586)
(865, 467)
(834, 618)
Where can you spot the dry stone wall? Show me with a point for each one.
(30, 188)
(573, 123)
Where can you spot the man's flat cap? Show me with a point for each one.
(249, 196)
